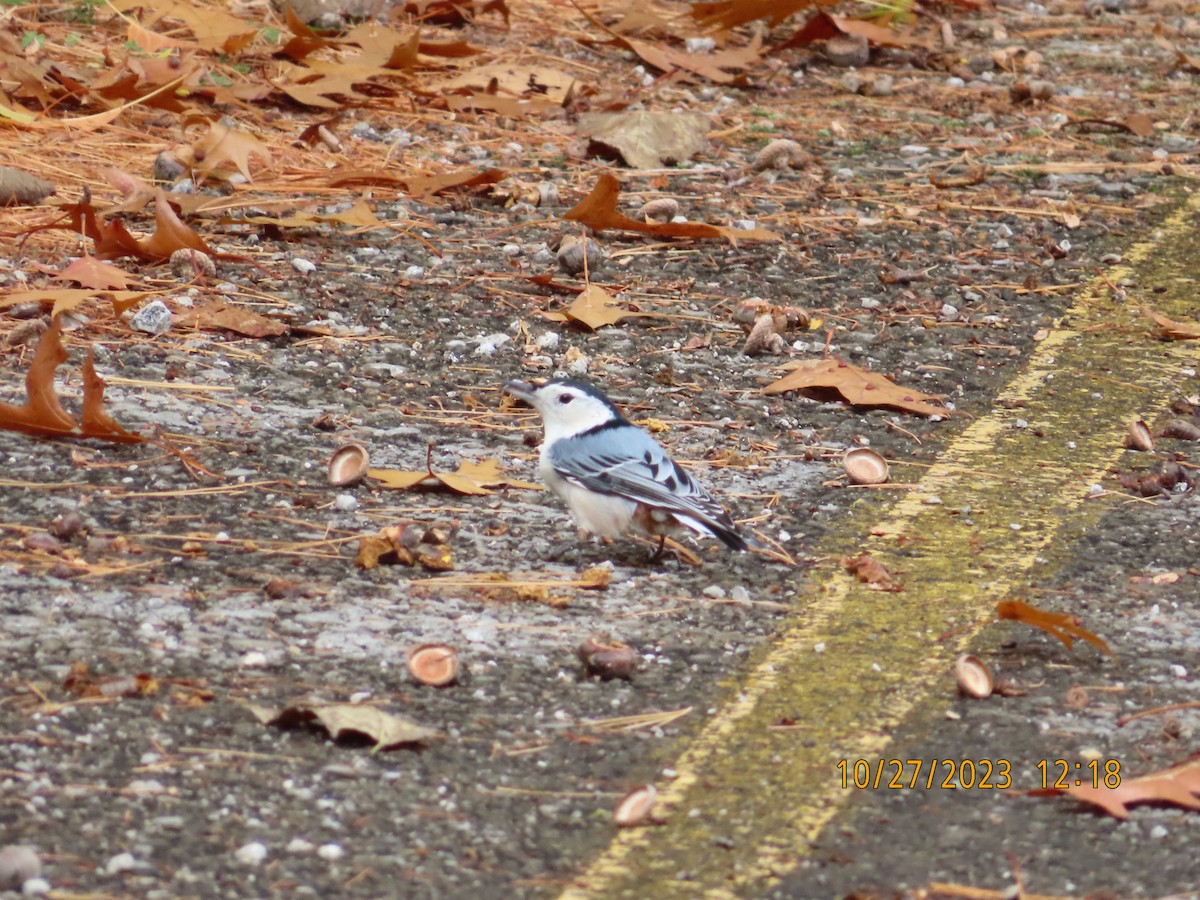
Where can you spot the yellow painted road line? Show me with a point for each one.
(747, 798)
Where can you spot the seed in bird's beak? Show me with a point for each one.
(348, 464)
(433, 664)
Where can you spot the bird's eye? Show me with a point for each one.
(564, 399)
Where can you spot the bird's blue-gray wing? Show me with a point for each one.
(625, 461)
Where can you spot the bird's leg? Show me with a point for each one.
(662, 542)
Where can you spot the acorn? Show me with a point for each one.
(664, 209)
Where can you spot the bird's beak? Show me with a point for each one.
(522, 390)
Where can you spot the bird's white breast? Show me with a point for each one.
(601, 514)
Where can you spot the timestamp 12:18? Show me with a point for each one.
(1096, 773)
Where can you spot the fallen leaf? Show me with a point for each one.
(454, 12)
(823, 26)
(89, 272)
(221, 149)
(1063, 626)
(81, 683)
(1170, 330)
(94, 419)
(226, 316)
(113, 240)
(43, 413)
(511, 80)
(212, 27)
(729, 14)
(421, 187)
(599, 212)
(856, 386)
(66, 299)
(594, 308)
(871, 572)
(474, 478)
(648, 140)
(360, 215)
(1177, 786)
(711, 66)
(339, 719)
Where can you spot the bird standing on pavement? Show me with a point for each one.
(611, 474)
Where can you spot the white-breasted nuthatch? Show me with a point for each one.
(611, 474)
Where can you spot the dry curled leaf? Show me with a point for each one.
(647, 140)
(593, 308)
(871, 572)
(223, 316)
(43, 414)
(469, 478)
(1063, 626)
(599, 212)
(1177, 786)
(1170, 330)
(856, 386)
(341, 719)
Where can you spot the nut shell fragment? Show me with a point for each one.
(607, 659)
(348, 464)
(635, 807)
(579, 254)
(864, 466)
(1137, 436)
(973, 676)
(433, 664)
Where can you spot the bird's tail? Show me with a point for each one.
(726, 532)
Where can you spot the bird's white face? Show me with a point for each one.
(566, 409)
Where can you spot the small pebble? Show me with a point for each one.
(345, 503)
(414, 273)
(153, 318)
(122, 862)
(715, 591)
(304, 266)
(18, 864)
(331, 852)
(740, 594)
(254, 659)
(251, 854)
(299, 845)
(35, 887)
(489, 344)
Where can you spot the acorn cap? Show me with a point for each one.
(348, 464)
(973, 676)
(433, 664)
(635, 807)
(864, 466)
